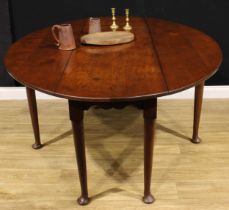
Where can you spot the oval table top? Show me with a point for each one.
(164, 58)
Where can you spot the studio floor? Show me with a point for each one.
(185, 176)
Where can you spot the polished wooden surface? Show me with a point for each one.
(165, 57)
(187, 56)
(185, 176)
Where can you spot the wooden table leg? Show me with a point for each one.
(199, 89)
(150, 113)
(76, 116)
(31, 96)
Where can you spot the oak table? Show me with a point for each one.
(165, 58)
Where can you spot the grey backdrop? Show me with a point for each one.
(5, 40)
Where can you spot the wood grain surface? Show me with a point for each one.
(107, 38)
(185, 176)
(165, 58)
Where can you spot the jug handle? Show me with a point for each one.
(55, 35)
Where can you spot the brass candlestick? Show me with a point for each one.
(114, 26)
(127, 27)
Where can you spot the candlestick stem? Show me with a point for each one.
(114, 26)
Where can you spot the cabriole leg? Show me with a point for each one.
(31, 96)
(150, 113)
(76, 116)
(199, 89)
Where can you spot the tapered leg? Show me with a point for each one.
(150, 113)
(31, 96)
(76, 116)
(199, 89)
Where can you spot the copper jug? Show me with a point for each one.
(64, 37)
